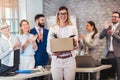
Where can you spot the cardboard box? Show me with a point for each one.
(61, 44)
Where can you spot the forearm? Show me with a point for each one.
(103, 33)
(94, 43)
(48, 41)
(25, 46)
(90, 45)
(34, 45)
(116, 36)
(4, 54)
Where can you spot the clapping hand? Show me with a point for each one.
(106, 24)
(40, 36)
(33, 38)
(83, 37)
(17, 45)
(110, 32)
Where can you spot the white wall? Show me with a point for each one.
(29, 8)
(22, 9)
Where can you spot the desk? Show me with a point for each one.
(84, 70)
(25, 76)
(92, 70)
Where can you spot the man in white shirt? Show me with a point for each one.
(8, 43)
(112, 49)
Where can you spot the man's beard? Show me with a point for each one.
(114, 23)
(41, 25)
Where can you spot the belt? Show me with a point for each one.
(110, 51)
(64, 57)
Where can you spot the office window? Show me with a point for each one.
(9, 14)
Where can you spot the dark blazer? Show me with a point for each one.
(41, 56)
(115, 41)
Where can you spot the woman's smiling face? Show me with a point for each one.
(63, 15)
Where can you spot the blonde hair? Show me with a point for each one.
(68, 17)
(21, 31)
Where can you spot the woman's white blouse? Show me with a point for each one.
(29, 49)
(62, 32)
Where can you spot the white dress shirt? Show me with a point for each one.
(29, 49)
(113, 28)
(62, 32)
(37, 29)
(6, 50)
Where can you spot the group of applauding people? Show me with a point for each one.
(31, 42)
(34, 44)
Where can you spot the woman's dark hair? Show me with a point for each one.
(94, 28)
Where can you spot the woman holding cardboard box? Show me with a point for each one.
(63, 65)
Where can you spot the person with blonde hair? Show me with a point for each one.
(28, 46)
(8, 43)
(63, 65)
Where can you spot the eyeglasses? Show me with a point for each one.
(115, 17)
(5, 27)
(62, 13)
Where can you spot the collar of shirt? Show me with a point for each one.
(38, 28)
(114, 26)
(26, 35)
(7, 39)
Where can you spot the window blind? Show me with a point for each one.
(9, 13)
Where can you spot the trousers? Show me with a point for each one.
(63, 69)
